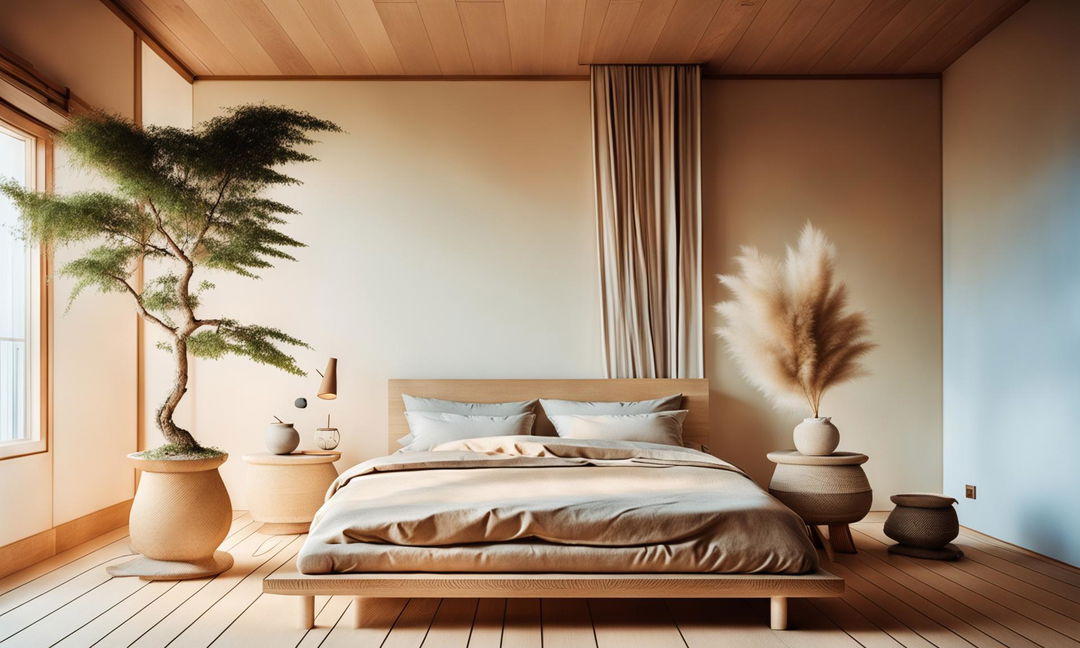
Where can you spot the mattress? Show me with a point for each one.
(543, 504)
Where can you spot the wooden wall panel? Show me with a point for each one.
(237, 38)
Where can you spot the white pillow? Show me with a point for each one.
(429, 429)
(657, 427)
(593, 408)
(422, 404)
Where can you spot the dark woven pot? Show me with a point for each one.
(927, 528)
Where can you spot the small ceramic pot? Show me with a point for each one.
(816, 437)
(281, 438)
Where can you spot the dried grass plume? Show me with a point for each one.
(788, 325)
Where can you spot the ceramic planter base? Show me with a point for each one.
(180, 516)
(170, 570)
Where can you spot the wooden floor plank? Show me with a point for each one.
(868, 568)
(810, 629)
(915, 628)
(973, 553)
(200, 594)
(851, 621)
(705, 623)
(566, 623)
(627, 622)
(379, 616)
(67, 559)
(452, 624)
(224, 611)
(488, 624)
(521, 626)
(874, 551)
(977, 599)
(412, 626)
(1020, 556)
(997, 596)
(326, 618)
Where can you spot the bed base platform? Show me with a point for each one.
(778, 588)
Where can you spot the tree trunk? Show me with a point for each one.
(175, 434)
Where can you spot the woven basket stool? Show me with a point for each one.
(924, 525)
(824, 490)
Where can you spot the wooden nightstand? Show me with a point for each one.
(284, 491)
(827, 490)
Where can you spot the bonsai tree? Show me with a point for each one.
(187, 200)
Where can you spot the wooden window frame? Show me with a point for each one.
(43, 181)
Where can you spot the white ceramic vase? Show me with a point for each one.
(281, 438)
(816, 436)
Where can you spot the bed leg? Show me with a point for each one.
(307, 612)
(358, 617)
(778, 612)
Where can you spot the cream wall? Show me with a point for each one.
(81, 45)
(861, 160)
(1012, 279)
(451, 234)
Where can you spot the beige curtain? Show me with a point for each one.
(646, 150)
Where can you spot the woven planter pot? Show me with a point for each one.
(923, 524)
(180, 515)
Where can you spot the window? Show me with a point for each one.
(23, 343)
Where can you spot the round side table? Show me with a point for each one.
(829, 490)
(284, 491)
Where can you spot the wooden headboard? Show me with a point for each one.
(695, 393)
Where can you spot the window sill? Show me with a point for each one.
(14, 449)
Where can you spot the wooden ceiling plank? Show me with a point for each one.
(980, 32)
(959, 34)
(299, 29)
(837, 19)
(405, 27)
(334, 29)
(271, 36)
(189, 28)
(150, 39)
(486, 33)
(684, 29)
(525, 22)
(758, 35)
(728, 25)
(797, 27)
(652, 16)
(921, 35)
(863, 30)
(447, 36)
(564, 21)
(368, 27)
(618, 21)
(593, 23)
(230, 30)
(896, 31)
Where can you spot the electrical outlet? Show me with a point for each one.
(969, 491)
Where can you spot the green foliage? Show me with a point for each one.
(258, 343)
(189, 199)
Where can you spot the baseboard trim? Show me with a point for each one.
(41, 546)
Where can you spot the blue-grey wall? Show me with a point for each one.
(1011, 219)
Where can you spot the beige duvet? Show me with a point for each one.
(531, 504)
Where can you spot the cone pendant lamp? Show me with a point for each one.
(328, 388)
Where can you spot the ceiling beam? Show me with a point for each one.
(151, 41)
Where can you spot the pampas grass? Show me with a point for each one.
(788, 325)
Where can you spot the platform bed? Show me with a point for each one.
(778, 588)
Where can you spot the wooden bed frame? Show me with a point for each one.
(778, 588)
